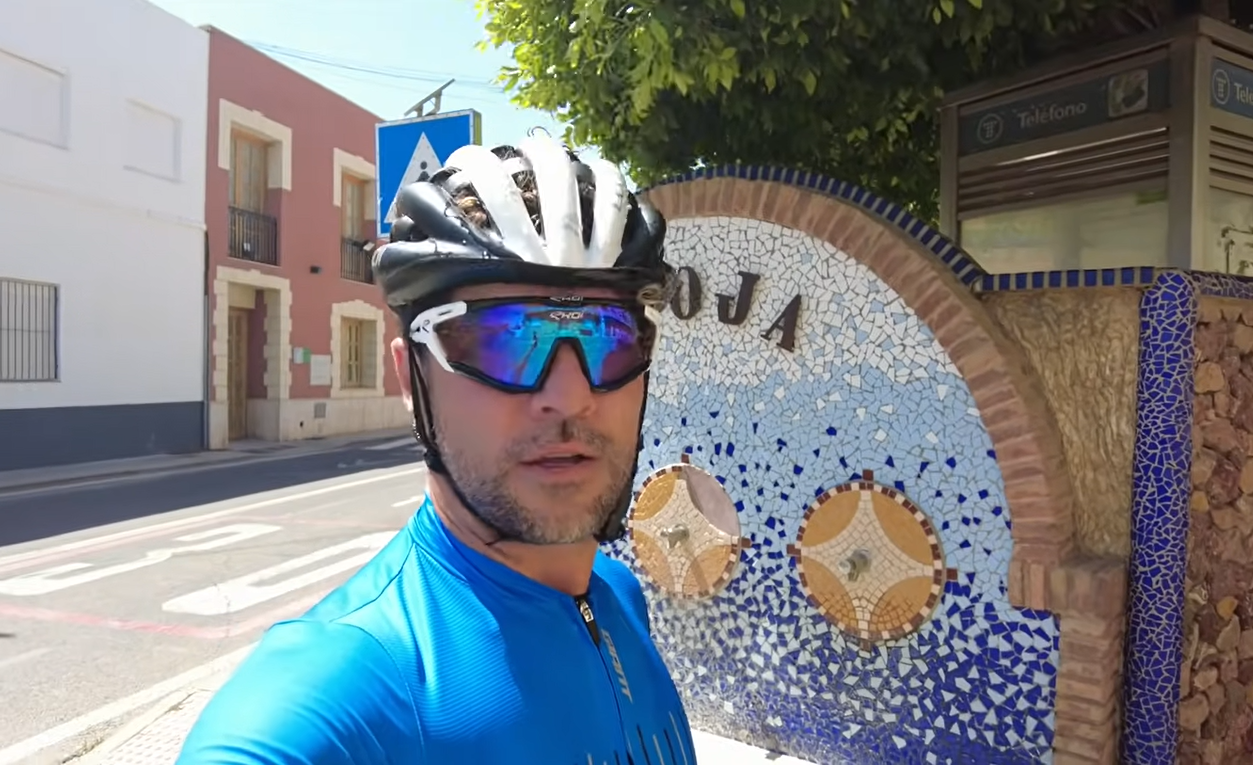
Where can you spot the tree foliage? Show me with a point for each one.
(845, 87)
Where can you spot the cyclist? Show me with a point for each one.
(491, 630)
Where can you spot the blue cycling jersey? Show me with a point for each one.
(434, 654)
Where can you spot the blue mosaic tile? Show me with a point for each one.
(1161, 488)
(867, 388)
(1068, 279)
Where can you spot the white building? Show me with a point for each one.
(102, 261)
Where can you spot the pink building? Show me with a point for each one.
(298, 329)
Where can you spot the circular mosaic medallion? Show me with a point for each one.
(870, 561)
(685, 531)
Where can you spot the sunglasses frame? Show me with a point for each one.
(422, 330)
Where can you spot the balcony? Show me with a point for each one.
(254, 237)
(354, 261)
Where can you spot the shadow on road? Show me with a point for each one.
(29, 517)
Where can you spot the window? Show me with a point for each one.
(29, 318)
(36, 100)
(354, 259)
(352, 353)
(1123, 229)
(249, 158)
(352, 209)
(1230, 233)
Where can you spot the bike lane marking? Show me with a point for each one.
(108, 541)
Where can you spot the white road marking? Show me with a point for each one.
(413, 501)
(21, 657)
(22, 750)
(389, 445)
(46, 581)
(247, 591)
(11, 560)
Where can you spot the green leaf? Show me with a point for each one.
(810, 81)
(948, 7)
(770, 79)
(683, 82)
(737, 7)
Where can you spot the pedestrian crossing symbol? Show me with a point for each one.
(422, 165)
(412, 150)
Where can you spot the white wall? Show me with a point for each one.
(102, 169)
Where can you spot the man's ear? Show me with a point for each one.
(400, 363)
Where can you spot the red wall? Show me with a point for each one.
(308, 221)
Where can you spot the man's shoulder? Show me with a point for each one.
(333, 660)
(311, 687)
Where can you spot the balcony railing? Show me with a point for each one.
(354, 261)
(254, 236)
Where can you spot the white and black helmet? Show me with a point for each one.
(435, 248)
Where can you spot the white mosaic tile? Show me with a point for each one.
(867, 388)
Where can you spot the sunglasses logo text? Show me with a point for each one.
(566, 315)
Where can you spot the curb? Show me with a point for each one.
(142, 723)
(100, 753)
(109, 475)
(206, 460)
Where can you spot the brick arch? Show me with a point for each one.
(932, 276)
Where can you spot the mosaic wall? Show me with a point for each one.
(823, 531)
(1216, 714)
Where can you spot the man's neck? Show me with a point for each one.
(565, 568)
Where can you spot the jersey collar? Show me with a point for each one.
(430, 533)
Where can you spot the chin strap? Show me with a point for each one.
(424, 431)
(616, 525)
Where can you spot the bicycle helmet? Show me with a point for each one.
(436, 248)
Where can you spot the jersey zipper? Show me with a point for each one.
(584, 607)
(589, 619)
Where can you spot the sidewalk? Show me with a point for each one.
(155, 738)
(158, 464)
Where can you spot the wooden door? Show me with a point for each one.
(237, 373)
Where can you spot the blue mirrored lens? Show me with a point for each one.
(511, 343)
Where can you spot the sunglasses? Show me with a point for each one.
(510, 343)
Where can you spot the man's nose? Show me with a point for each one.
(566, 392)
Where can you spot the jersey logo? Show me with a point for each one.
(617, 666)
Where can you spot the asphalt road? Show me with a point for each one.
(111, 589)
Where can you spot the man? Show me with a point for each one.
(491, 630)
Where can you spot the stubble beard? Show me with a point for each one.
(485, 487)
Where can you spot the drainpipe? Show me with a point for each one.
(206, 357)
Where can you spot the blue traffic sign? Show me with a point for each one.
(411, 150)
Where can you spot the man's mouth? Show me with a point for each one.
(558, 458)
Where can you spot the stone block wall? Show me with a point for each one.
(1216, 711)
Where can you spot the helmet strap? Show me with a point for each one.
(424, 429)
(616, 525)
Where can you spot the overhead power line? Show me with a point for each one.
(474, 82)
